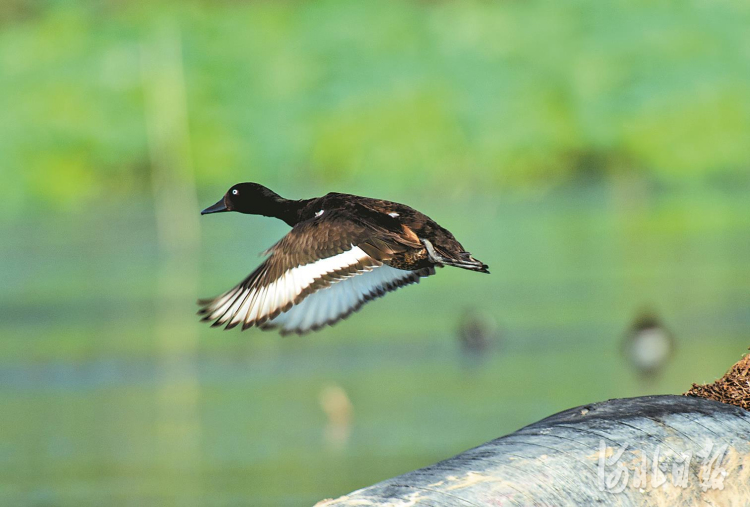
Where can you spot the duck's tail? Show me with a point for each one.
(466, 261)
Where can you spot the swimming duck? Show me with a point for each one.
(343, 251)
(477, 335)
(648, 345)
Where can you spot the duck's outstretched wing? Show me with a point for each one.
(329, 305)
(315, 257)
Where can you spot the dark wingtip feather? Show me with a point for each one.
(247, 325)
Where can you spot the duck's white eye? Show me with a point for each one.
(235, 192)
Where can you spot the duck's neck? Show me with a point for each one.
(283, 209)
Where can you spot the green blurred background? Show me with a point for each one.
(594, 154)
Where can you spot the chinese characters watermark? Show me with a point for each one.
(615, 472)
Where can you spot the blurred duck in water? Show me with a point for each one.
(477, 335)
(648, 345)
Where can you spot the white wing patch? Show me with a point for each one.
(259, 302)
(337, 301)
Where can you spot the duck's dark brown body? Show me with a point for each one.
(399, 219)
(343, 250)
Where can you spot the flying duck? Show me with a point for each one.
(343, 251)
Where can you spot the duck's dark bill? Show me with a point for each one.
(216, 208)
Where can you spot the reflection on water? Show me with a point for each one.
(113, 393)
(178, 429)
(339, 414)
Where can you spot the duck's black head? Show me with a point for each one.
(250, 198)
(255, 199)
